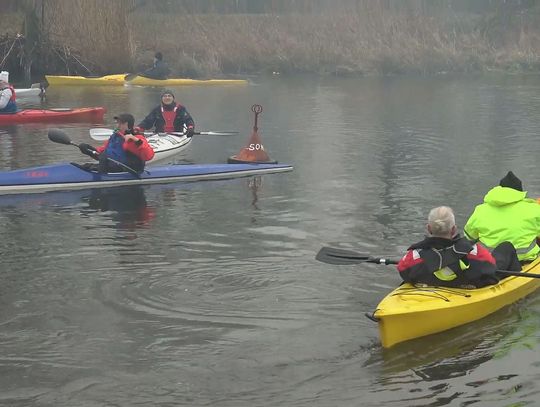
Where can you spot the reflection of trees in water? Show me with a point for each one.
(391, 208)
(525, 334)
(254, 184)
(459, 351)
(9, 136)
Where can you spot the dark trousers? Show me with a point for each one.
(506, 257)
(107, 165)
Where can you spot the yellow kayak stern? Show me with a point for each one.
(118, 80)
(108, 80)
(410, 312)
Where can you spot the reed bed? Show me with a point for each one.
(110, 37)
(98, 30)
(203, 45)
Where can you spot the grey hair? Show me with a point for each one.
(441, 220)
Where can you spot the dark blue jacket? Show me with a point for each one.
(160, 70)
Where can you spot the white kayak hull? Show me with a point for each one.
(27, 92)
(166, 146)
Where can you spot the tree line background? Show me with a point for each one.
(202, 38)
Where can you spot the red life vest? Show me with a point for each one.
(12, 98)
(11, 106)
(169, 116)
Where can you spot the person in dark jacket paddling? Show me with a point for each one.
(159, 70)
(444, 258)
(124, 146)
(169, 116)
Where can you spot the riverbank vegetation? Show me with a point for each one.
(209, 38)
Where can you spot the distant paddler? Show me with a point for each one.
(159, 70)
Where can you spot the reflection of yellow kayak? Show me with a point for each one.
(410, 312)
(141, 80)
(118, 80)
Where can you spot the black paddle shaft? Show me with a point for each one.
(58, 136)
(332, 255)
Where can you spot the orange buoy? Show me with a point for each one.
(253, 151)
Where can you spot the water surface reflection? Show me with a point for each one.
(209, 293)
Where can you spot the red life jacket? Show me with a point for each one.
(169, 116)
(11, 106)
(12, 98)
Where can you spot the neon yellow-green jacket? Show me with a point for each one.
(507, 215)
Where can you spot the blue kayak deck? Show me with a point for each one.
(65, 176)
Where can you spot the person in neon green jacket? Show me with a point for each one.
(507, 215)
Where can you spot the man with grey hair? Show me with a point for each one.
(444, 258)
(442, 222)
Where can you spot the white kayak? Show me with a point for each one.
(36, 89)
(166, 145)
(27, 92)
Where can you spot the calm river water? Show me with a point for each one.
(209, 293)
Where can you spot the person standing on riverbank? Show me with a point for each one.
(169, 116)
(7, 95)
(160, 69)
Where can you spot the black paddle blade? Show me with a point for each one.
(58, 136)
(332, 255)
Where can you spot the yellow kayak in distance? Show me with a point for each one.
(410, 312)
(118, 80)
(108, 80)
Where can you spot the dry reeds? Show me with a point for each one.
(353, 43)
(351, 37)
(98, 29)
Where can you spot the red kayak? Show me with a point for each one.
(91, 114)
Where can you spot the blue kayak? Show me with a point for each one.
(66, 176)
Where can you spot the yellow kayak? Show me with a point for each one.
(108, 80)
(118, 80)
(410, 312)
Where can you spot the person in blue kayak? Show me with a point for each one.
(8, 104)
(444, 258)
(170, 116)
(124, 150)
(507, 215)
(160, 69)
